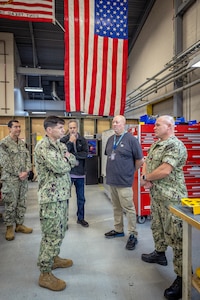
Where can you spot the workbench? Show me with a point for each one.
(189, 220)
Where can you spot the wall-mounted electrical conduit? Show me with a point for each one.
(178, 69)
(165, 96)
(179, 73)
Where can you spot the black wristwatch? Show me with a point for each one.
(144, 177)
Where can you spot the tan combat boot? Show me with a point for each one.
(61, 263)
(23, 229)
(9, 233)
(49, 281)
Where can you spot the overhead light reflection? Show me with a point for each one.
(195, 62)
(33, 89)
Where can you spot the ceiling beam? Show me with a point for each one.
(35, 57)
(39, 72)
(183, 7)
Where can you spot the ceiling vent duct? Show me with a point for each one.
(54, 93)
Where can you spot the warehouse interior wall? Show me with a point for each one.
(191, 103)
(12, 99)
(191, 25)
(153, 51)
(153, 48)
(163, 108)
(7, 74)
(191, 30)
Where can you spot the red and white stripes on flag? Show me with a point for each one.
(96, 53)
(28, 10)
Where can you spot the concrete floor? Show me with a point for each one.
(103, 269)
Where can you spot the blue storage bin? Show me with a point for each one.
(148, 119)
(192, 122)
(143, 118)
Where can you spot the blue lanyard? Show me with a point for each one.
(115, 144)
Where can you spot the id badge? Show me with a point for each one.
(112, 156)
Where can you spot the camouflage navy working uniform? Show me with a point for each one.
(54, 186)
(166, 227)
(14, 158)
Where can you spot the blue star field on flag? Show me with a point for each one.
(111, 18)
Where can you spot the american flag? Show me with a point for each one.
(96, 53)
(28, 10)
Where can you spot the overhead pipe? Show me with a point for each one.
(150, 79)
(54, 93)
(176, 60)
(158, 85)
(35, 59)
(39, 72)
(191, 50)
(165, 96)
(147, 81)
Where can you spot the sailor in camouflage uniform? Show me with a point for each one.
(53, 163)
(163, 174)
(15, 166)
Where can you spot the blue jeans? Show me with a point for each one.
(80, 195)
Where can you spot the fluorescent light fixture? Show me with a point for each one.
(195, 62)
(39, 112)
(33, 89)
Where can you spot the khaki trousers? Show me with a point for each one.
(122, 201)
